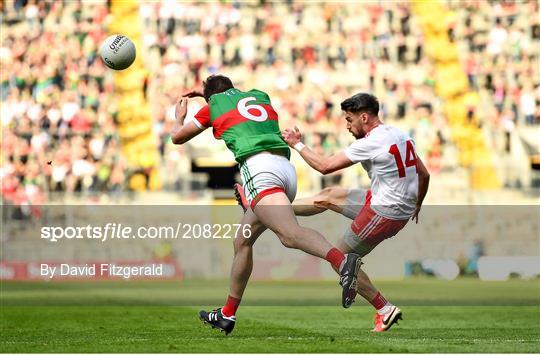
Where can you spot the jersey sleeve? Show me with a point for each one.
(202, 118)
(360, 150)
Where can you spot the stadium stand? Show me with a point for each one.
(62, 129)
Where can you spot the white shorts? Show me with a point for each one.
(264, 174)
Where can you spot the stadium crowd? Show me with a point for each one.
(58, 119)
(500, 42)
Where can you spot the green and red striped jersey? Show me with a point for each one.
(246, 121)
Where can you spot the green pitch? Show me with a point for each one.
(458, 316)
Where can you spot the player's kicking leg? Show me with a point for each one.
(333, 198)
(224, 318)
(276, 212)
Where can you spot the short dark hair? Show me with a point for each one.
(215, 84)
(361, 103)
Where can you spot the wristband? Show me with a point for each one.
(299, 146)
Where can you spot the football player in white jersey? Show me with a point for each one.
(399, 183)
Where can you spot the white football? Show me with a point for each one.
(117, 52)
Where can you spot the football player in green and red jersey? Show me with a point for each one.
(248, 124)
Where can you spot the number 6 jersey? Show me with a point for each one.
(246, 121)
(388, 156)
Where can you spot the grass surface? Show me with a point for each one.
(459, 316)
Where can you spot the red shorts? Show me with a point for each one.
(372, 228)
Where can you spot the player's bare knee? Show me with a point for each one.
(287, 239)
(257, 228)
(241, 245)
(241, 242)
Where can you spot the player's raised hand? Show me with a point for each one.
(181, 110)
(292, 137)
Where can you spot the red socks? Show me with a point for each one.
(335, 257)
(231, 306)
(378, 301)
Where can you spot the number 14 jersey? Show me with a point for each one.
(388, 156)
(246, 121)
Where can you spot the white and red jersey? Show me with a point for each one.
(389, 158)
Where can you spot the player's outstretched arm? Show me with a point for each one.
(324, 165)
(181, 133)
(423, 184)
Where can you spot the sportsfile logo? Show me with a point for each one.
(122, 231)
